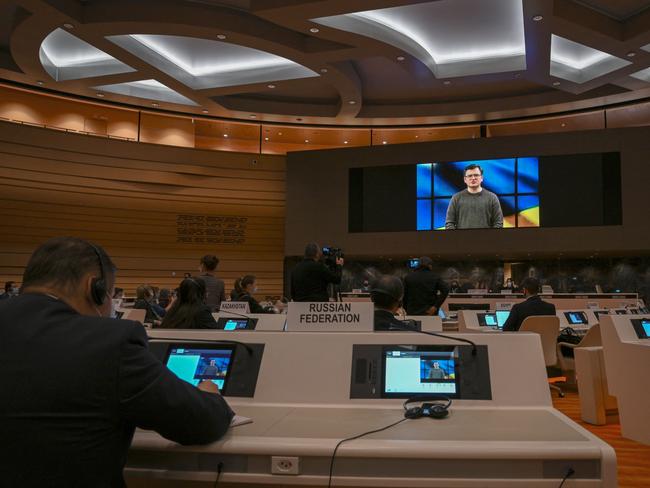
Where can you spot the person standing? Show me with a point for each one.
(475, 207)
(424, 291)
(310, 277)
(215, 288)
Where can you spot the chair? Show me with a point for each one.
(548, 327)
(567, 363)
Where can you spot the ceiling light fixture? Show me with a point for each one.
(401, 58)
(556, 83)
(40, 83)
(100, 95)
(306, 140)
(221, 36)
(266, 138)
(352, 102)
(314, 30)
(68, 26)
(345, 142)
(446, 82)
(538, 18)
(154, 104)
(631, 54)
(279, 133)
(252, 116)
(271, 86)
(225, 135)
(323, 70)
(384, 142)
(205, 111)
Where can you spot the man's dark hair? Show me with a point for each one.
(472, 166)
(8, 286)
(311, 250)
(531, 285)
(63, 261)
(210, 262)
(387, 291)
(425, 263)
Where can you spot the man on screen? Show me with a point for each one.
(475, 207)
(436, 372)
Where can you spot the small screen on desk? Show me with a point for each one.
(119, 315)
(487, 319)
(576, 318)
(502, 316)
(642, 328)
(420, 370)
(195, 363)
(230, 323)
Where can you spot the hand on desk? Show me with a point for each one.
(209, 386)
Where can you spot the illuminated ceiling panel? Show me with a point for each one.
(204, 63)
(643, 75)
(149, 89)
(579, 63)
(443, 36)
(66, 57)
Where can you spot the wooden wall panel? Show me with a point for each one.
(127, 197)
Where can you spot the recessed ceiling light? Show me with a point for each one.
(401, 58)
(205, 111)
(225, 135)
(40, 83)
(563, 124)
(345, 142)
(538, 18)
(384, 142)
(252, 116)
(416, 136)
(323, 70)
(221, 36)
(266, 138)
(279, 133)
(306, 140)
(314, 30)
(100, 95)
(271, 86)
(154, 104)
(352, 102)
(631, 54)
(446, 82)
(68, 26)
(556, 83)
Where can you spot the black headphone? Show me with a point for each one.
(98, 288)
(435, 410)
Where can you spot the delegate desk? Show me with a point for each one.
(626, 349)
(306, 391)
(262, 321)
(562, 301)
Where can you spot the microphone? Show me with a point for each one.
(408, 327)
(210, 341)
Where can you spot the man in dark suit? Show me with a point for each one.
(386, 294)
(533, 305)
(424, 291)
(310, 277)
(70, 424)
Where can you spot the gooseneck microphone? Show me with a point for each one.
(406, 325)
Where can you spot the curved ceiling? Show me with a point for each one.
(337, 62)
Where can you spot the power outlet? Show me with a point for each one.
(285, 465)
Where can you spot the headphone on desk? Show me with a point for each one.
(98, 288)
(439, 409)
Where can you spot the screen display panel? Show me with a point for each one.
(576, 318)
(197, 362)
(420, 370)
(642, 328)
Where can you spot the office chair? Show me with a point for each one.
(567, 363)
(548, 327)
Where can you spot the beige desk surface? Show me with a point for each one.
(315, 431)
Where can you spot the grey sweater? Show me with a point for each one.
(474, 211)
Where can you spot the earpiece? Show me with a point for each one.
(98, 288)
(435, 410)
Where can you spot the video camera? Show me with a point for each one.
(331, 254)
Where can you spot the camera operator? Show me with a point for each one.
(310, 277)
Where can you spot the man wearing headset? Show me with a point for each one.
(386, 294)
(71, 424)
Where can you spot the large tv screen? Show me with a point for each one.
(547, 191)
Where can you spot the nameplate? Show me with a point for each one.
(477, 291)
(239, 307)
(504, 305)
(330, 317)
(593, 305)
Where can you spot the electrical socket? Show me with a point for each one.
(285, 465)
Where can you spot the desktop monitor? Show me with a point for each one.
(420, 370)
(642, 328)
(236, 323)
(488, 319)
(576, 318)
(502, 316)
(455, 307)
(195, 362)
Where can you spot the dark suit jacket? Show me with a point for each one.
(533, 305)
(309, 280)
(75, 387)
(385, 320)
(422, 290)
